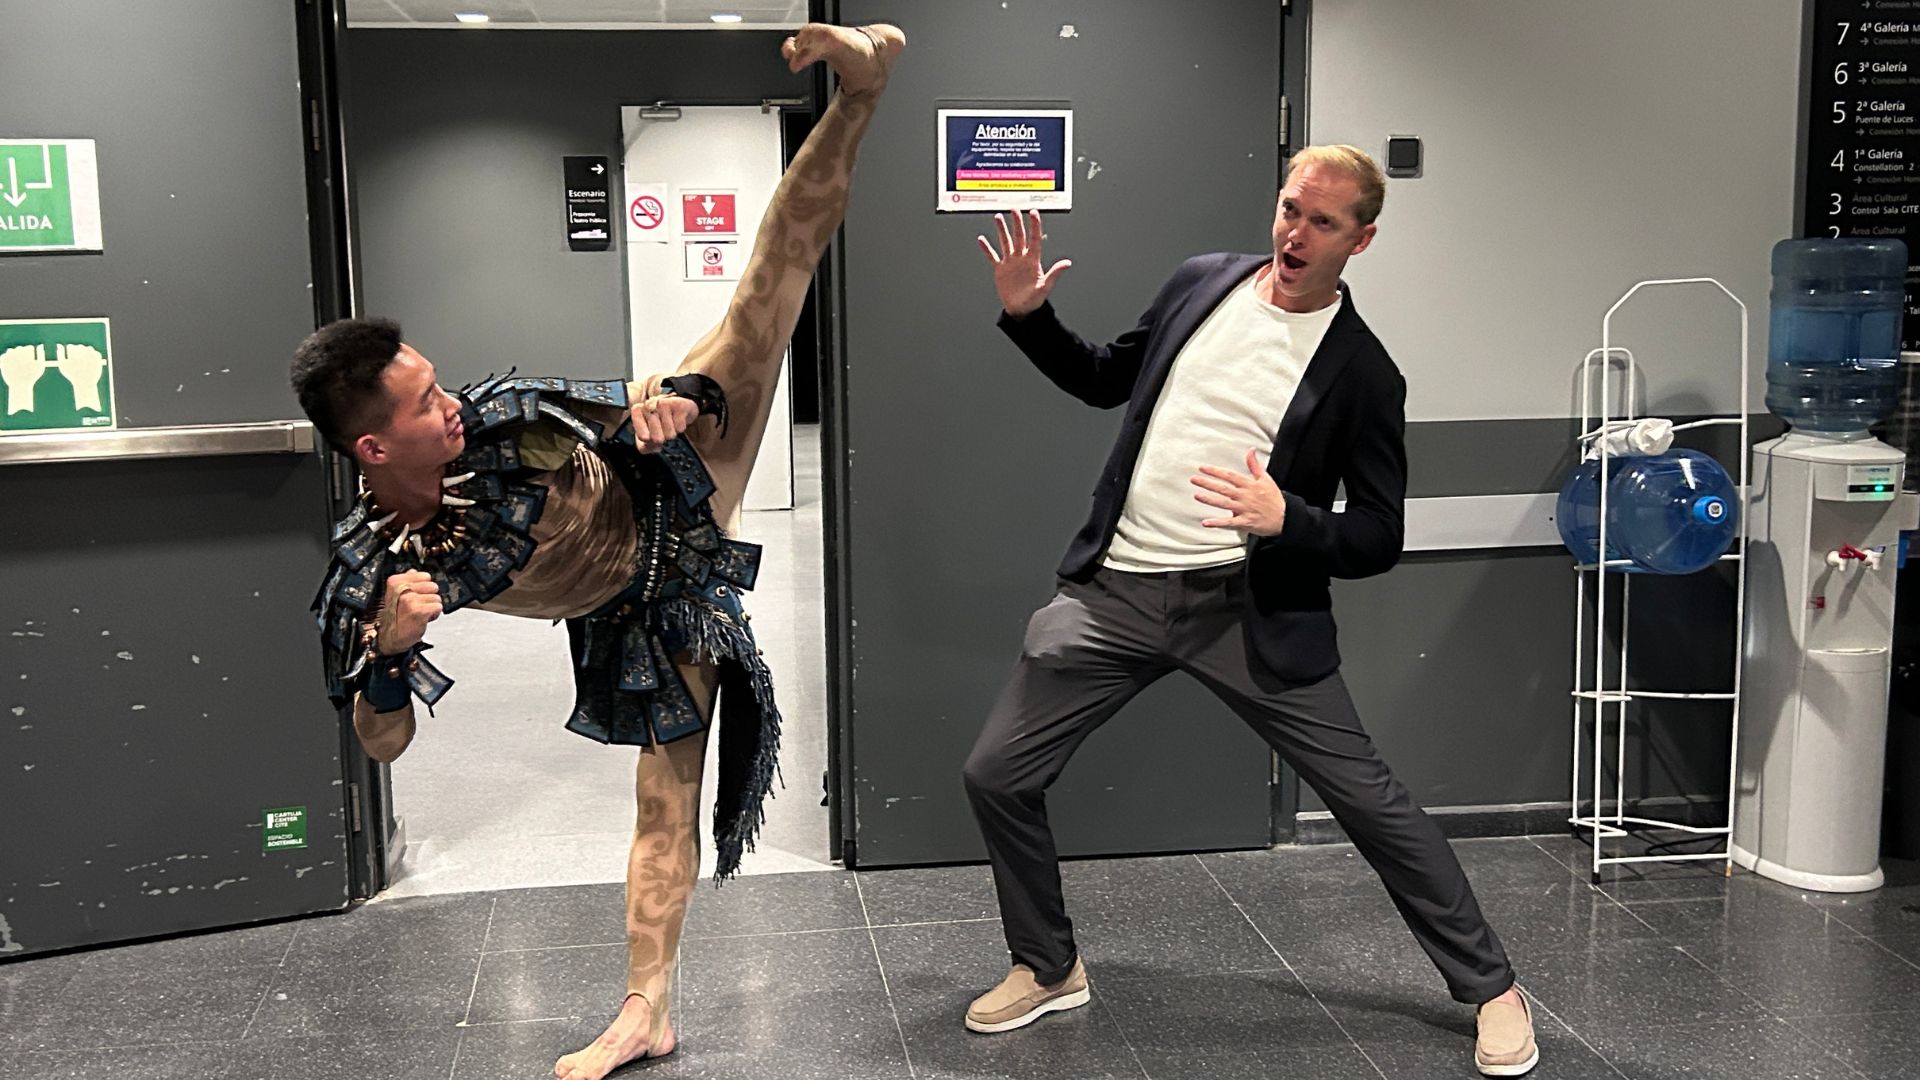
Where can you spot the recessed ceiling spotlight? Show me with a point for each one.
(725, 17)
(472, 18)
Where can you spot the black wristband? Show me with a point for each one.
(387, 687)
(703, 391)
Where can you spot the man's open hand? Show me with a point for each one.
(1252, 498)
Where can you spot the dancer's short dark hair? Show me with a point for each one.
(337, 375)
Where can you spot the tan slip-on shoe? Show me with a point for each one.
(1019, 1000)
(1505, 1045)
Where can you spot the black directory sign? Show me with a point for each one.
(1863, 130)
(589, 207)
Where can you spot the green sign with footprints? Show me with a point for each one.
(55, 375)
(49, 196)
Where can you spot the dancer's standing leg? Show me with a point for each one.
(744, 354)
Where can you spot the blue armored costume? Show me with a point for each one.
(552, 462)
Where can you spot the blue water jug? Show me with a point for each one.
(1834, 334)
(1577, 514)
(1671, 513)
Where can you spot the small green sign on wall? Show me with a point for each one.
(49, 196)
(285, 828)
(55, 375)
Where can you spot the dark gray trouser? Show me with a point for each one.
(1098, 644)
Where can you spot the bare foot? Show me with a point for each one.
(861, 55)
(629, 1038)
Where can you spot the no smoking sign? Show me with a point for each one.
(646, 213)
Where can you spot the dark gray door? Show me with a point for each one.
(160, 689)
(961, 472)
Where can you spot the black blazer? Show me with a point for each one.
(1346, 424)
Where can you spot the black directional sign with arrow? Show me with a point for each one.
(589, 204)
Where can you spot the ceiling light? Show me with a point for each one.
(724, 17)
(472, 18)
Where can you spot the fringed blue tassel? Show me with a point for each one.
(732, 840)
(713, 635)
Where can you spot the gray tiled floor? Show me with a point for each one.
(1287, 963)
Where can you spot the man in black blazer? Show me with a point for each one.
(1253, 391)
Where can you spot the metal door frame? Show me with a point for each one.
(372, 846)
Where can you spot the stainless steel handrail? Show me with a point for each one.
(203, 440)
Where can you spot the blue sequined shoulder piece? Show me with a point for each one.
(493, 506)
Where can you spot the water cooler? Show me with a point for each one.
(1824, 522)
(1825, 511)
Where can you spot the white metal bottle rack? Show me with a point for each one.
(1598, 706)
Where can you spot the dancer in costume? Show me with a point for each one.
(607, 504)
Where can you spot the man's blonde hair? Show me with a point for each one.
(1354, 163)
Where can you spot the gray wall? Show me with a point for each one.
(968, 470)
(1572, 149)
(161, 690)
(1460, 666)
(205, 274)
(455, 140)
(159, 677)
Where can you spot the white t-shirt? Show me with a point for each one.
(1229, 388)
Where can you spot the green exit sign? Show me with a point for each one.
(49, 196)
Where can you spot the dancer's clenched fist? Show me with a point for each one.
(412, 601)
(660, 419)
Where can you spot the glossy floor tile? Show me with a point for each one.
(1287, 963)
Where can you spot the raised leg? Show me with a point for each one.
(745, 351)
